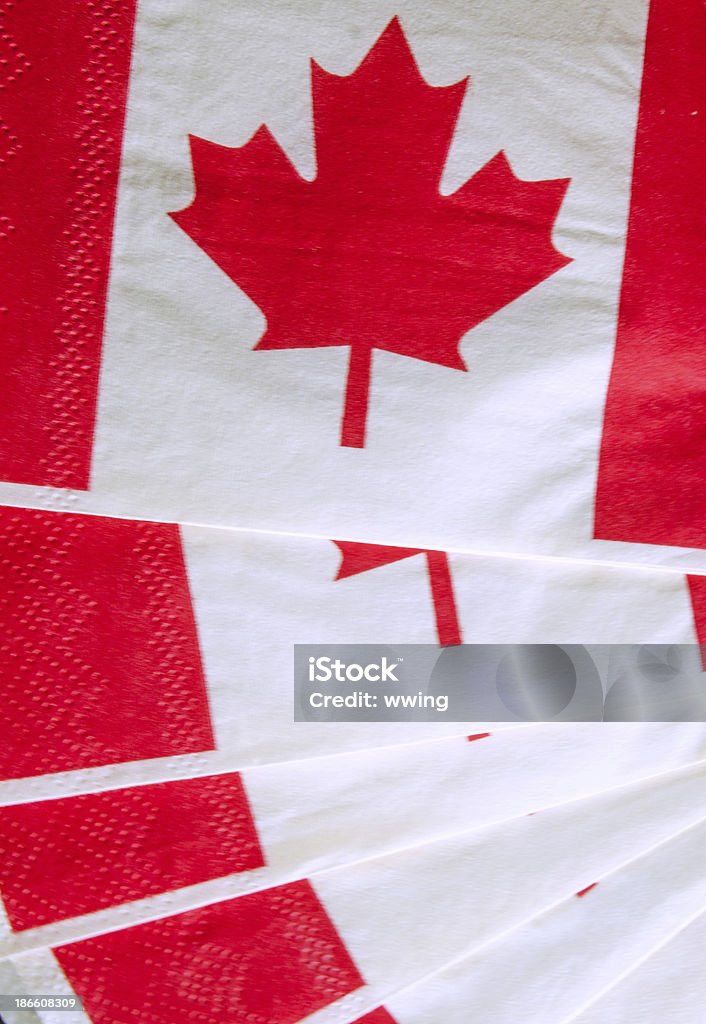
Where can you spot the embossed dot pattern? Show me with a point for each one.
(62, 858)
(99, 654)
(13, 65)
(63, 87)
(271, 957)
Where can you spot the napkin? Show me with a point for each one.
(128, 641)
(362, 297)
(119, 646)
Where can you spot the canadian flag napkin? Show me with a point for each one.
(419, 275)
(126, 641)
(343, 941)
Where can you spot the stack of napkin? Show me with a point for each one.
(355, 323)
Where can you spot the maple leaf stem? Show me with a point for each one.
(442, 592)
(355, 409)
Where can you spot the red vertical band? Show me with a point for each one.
(99, 654)
(652, 476)
(271, 957)
(63, 86)
(63, 858)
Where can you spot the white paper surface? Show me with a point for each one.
(667, 987)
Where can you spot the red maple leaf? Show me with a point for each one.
(370, 254)
(359, 558)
